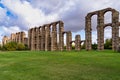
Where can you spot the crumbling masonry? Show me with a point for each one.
(49, 37)
(19, 37)
(100, 29)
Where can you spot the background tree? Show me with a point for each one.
(108, 44)
(13, 46)
(20, 46)
(94, 46)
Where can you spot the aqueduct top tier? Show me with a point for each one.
(100, 28)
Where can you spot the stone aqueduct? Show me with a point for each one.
(100, 28)
(50, 37)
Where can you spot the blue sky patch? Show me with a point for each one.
(10, 14)
(1, 5)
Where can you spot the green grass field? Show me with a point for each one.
(39, 65)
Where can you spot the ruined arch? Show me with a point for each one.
(68, 39)
(100, 28)
(72, 43)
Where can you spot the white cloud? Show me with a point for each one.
(2, 14)
(108, 32)
(25, 12)
(12, 29)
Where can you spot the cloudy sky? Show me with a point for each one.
(20, 15)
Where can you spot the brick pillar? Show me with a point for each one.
(88, 40)
(68, 40)
(115, 30)
(43, 38)
(100, 31)
(77, 42)
(61, 36)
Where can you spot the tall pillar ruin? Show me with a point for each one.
(115, 30)
(54, 37)
(68, 40)
(77, 43)
(43, 38)
(88, 33)
(61, 37)
(47, 37)
(100, 31)
(100, 28)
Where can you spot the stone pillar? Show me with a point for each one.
(47, 38)
(53, 37)
(22, 37)
(32, 40)
(68, 40)
(88, 40)
(43, 38)
(115, 30)
(100, 31)
(52, 40)
(37, 39)
(77, 42)
(61, 36)
(18, 37)
(29, 39)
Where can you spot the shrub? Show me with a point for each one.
(94, 46)
(20, 46)
(108, 44)
(13, 46)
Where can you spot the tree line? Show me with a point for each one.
(13, 46)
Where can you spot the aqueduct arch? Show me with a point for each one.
(43, 38)
(100, 28)
(68, 40)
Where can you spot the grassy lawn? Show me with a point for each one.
(39, 65)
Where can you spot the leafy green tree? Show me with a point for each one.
(94, 46)
(108, 44)
(11, 46)
(20, 46)
(26, 47)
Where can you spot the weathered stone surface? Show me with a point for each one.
(77, 42)
(19, 37)
(100, 29)
(48, 37)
